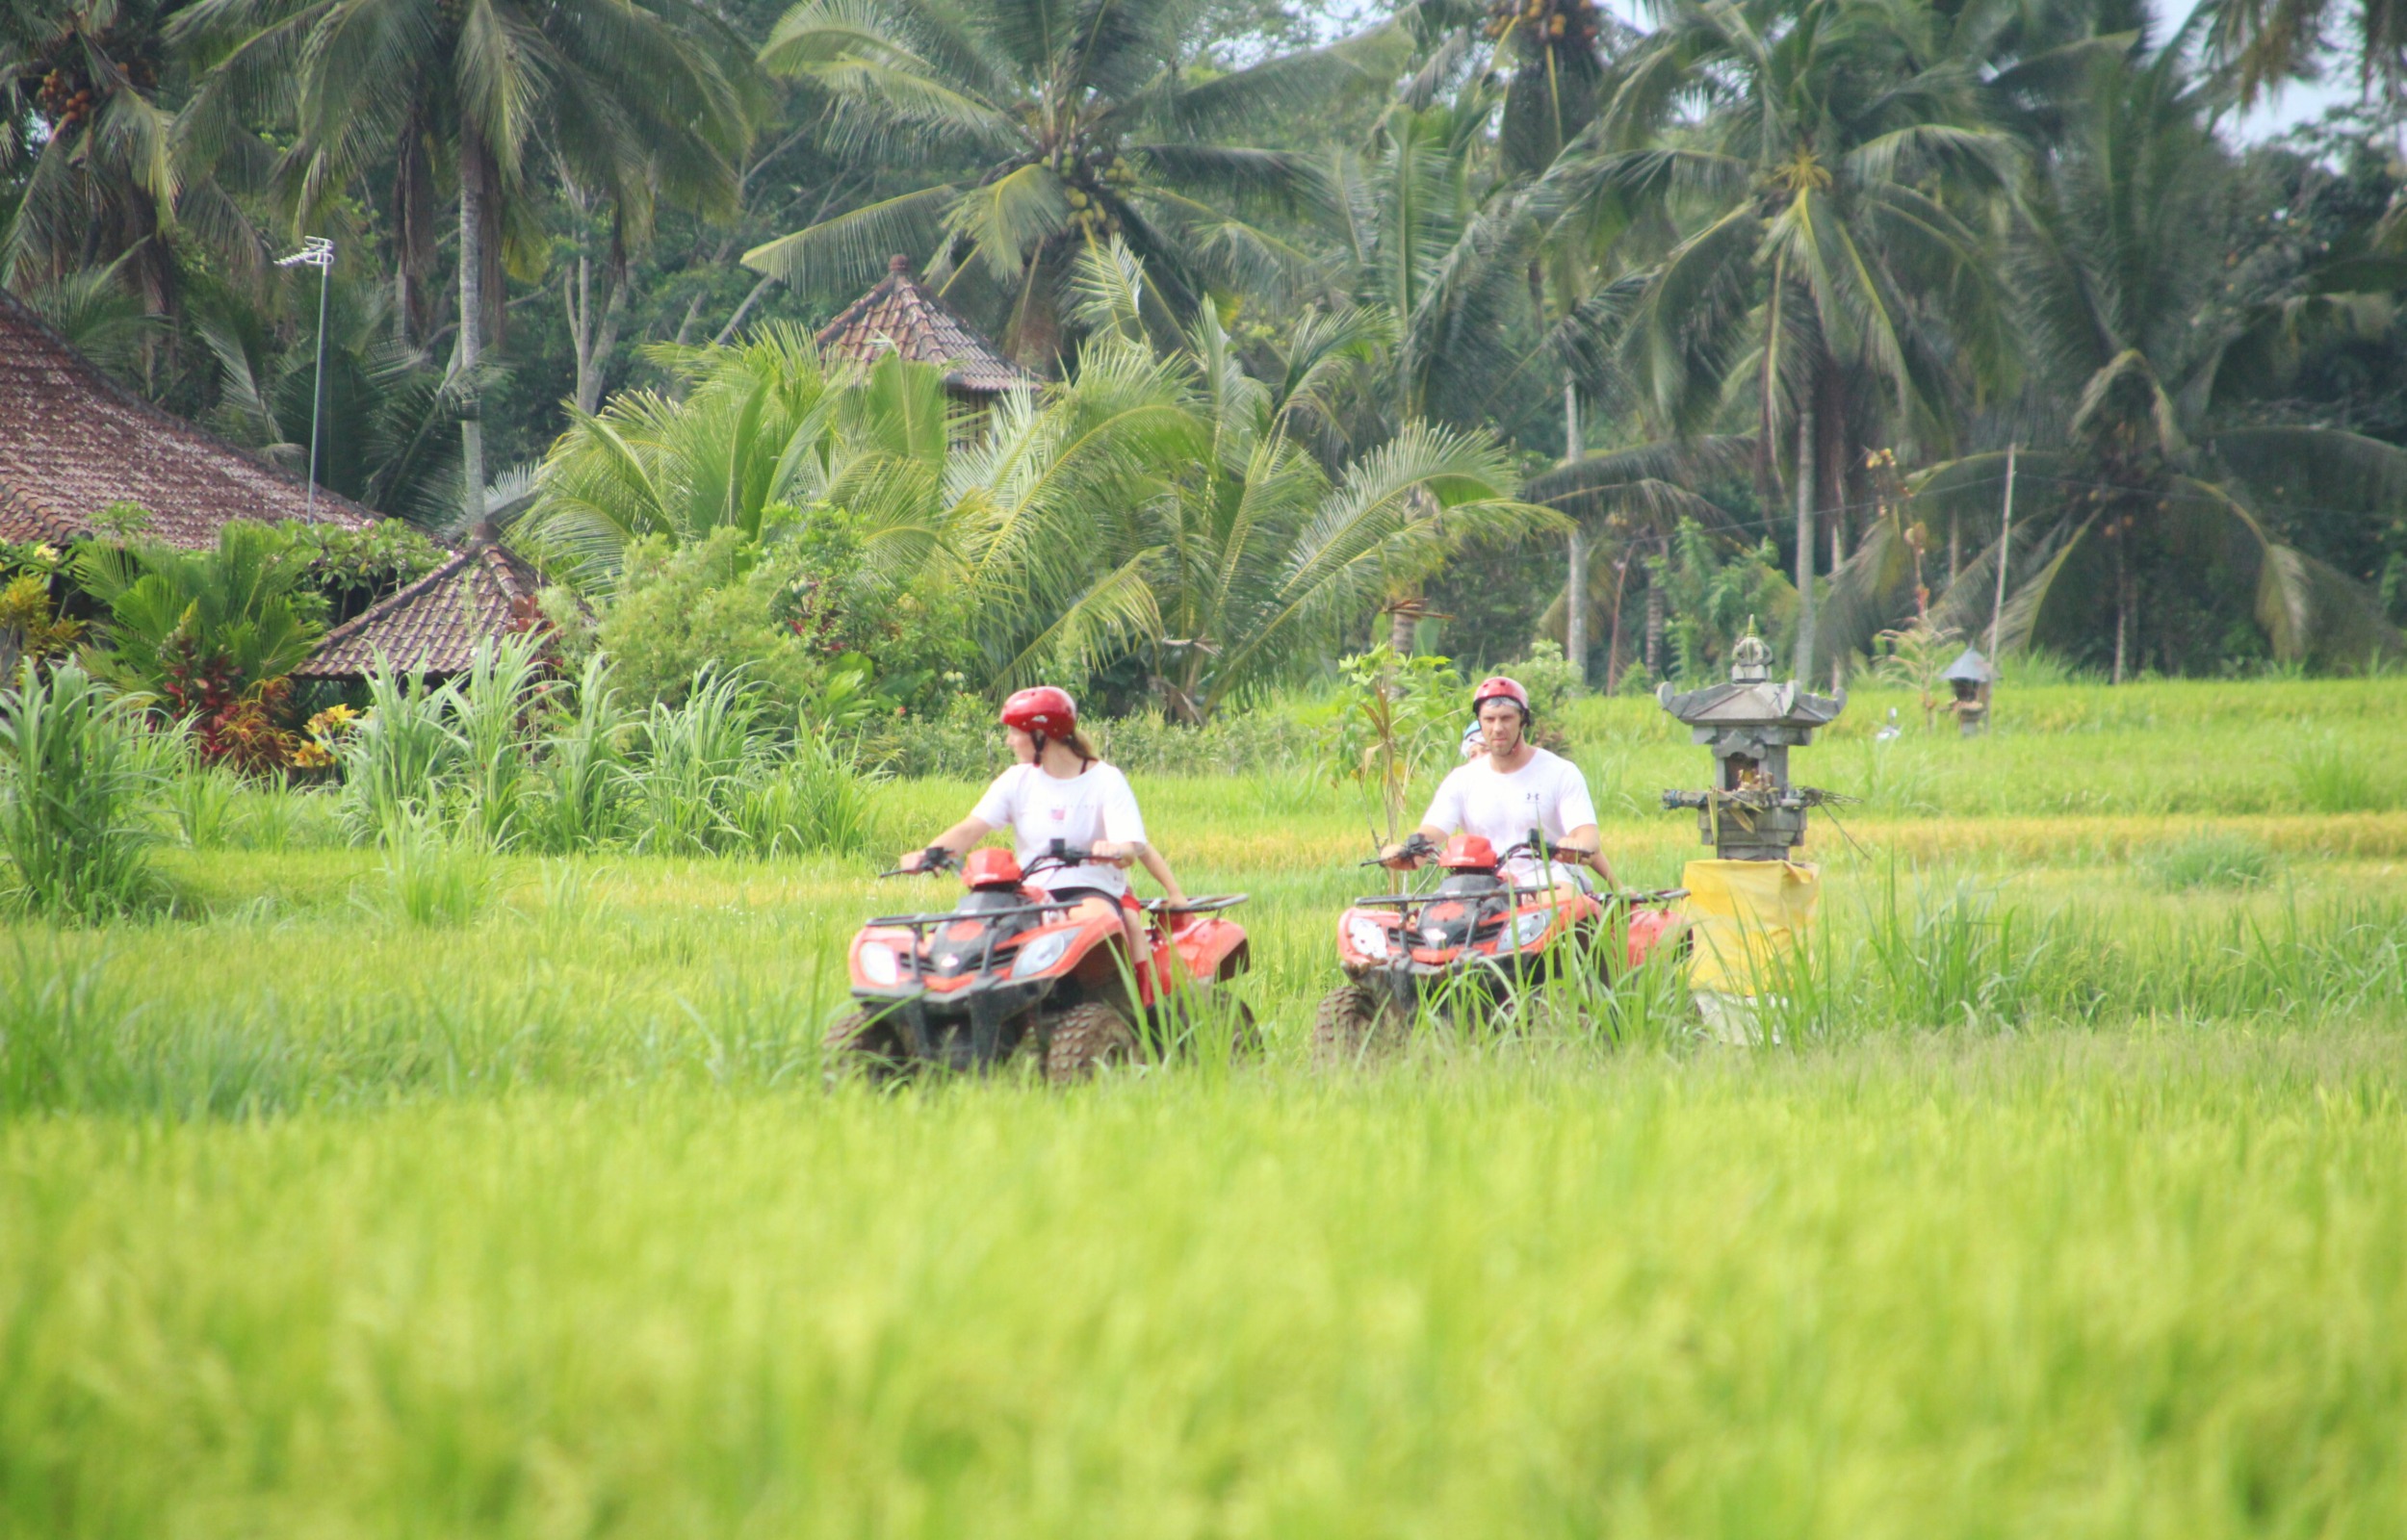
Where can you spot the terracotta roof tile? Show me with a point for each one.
(432, 626)
(73, 441)
(900, 315)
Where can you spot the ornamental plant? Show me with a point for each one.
(208, 636)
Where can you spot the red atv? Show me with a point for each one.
(1013, 966)
(1478, 946)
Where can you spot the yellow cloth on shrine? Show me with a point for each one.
(1745, 914)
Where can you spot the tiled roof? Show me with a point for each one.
(73, 441)
(900, 317)
(433, 626)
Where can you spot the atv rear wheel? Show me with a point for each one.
(1085, 1037)
(865, 1044)
(1353, 1025)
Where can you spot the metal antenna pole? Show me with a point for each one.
(317, 251)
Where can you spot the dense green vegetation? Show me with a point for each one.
(1797, 271)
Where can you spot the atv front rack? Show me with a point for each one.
(919, 925)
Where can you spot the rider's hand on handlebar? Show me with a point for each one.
(920, 860)
(1110, 853)
(1401, 858)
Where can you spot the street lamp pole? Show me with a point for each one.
(317, 251)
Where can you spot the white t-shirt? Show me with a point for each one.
(1038, 808)
(1548, 794)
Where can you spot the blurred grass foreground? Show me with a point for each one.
(430, 1190)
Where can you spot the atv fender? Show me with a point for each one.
(1212, 948)
(1653, 928)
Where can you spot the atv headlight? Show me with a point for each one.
(1530, 927)
(878, 963)
(1040, 954)
(1367, 936)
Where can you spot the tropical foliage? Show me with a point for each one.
(1331, 329)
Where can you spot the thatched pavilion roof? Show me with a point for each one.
(900, 317)
(73, 441)
(432, 626)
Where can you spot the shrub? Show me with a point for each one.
(1548, 676)
(2212, 861)
(2331, 780)
(711, 605)
(205, 632)
(77, 776)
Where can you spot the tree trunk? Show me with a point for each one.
(1654, 629)
(1955, 547)
(2126, 600)
(1805, 532)
(415, 211)
(1400, 624)
(595, 341)
(1613, 650)
(473, 194)
(1575, 588)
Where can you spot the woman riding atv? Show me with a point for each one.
(1511, 788)
(1061, 791)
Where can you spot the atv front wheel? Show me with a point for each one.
(1085, 1037)
(1353, 1025)
(865, 1044)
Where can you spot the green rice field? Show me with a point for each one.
(502, 1195)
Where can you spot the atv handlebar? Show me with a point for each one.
(934, 858)
(1195, 906)
(1415, 848)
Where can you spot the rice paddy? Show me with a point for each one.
(498, 1195)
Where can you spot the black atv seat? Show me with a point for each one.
(1466, 884)
(987, 901)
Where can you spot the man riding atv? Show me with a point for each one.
(1502, 794)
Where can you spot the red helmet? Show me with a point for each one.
(1042, 709)
(1500, 689)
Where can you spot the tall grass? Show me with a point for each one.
(395, 762)
(698, 760)
(489, 706)
(816, 800)
(581, 777)
(79, 777)
(430, 879)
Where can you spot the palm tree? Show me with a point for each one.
(1836, 264)
(1224, 556)
(2267, 41)
(102, 172)
(758, 434)
(628, 97)
(2167, 471)
(1048, 126)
